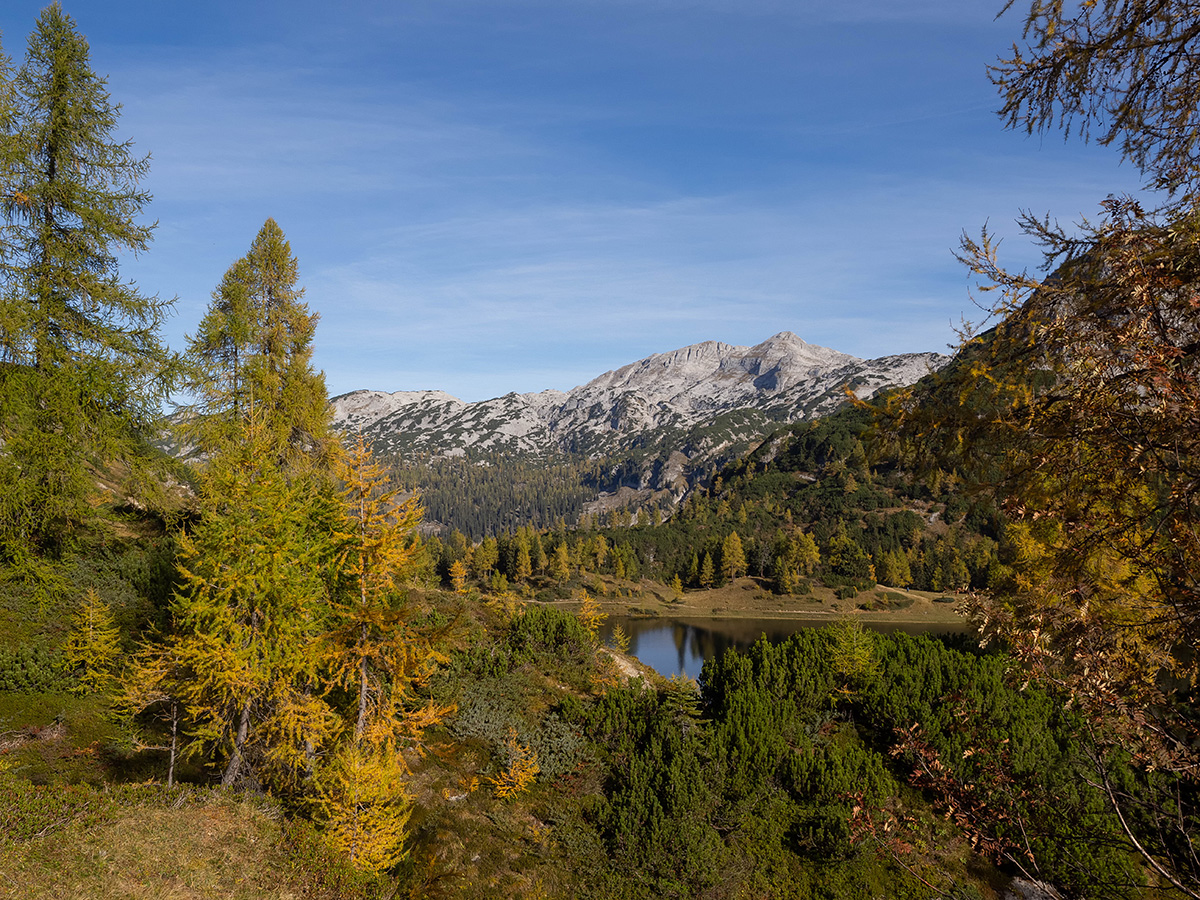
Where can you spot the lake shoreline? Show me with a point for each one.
(751, 598)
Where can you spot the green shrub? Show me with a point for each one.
(33, 669)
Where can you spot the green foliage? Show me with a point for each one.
(29, 811)
(538, 632)
(485, 494)
(252, 355)
(767, 792)
(794, 520)
(33, 669)
(656, 821)
(93, 644)
(82, 369)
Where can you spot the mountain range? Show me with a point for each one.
(667, 418)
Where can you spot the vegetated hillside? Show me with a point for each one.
(814, 503)
(656, 427)
(789, 770)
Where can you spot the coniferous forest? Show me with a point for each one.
(255, 672)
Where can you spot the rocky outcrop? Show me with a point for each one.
(707, 397)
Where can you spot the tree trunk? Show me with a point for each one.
(235, 761)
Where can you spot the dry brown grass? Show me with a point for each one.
(753, 598)
(224, 849)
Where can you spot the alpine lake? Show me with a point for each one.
(679, 646)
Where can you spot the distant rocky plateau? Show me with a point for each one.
(673, 414)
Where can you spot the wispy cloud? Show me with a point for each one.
(496, 195)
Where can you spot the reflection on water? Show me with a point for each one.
(680, 646)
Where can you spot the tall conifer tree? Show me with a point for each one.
(82, 369)
(253, 600)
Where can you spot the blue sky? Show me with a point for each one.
(510, 195)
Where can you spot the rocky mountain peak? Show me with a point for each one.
(782, 379)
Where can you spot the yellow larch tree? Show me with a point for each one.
(376, 653)
(252, 601)
(590, 615)
(93, 644)
(520, 768)
(458, 576)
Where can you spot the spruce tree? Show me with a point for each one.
(82, 369)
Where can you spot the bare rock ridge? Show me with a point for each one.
(664, 398)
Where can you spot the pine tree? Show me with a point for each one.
(82, 369)
(538, 553)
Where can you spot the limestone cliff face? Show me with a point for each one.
(697, 400)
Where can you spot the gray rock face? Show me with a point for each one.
(663, 398)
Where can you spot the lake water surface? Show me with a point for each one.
(680, 646)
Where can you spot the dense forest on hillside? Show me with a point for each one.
(252, 676)
(485, 493)
(808, 503)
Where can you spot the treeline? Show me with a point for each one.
(812, 506)
(482, 494)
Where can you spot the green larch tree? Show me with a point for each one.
(707, 573)
(523, 565)
(253, 351)
(219, 353)
(484, 558)
(252, 602)
(82, 369)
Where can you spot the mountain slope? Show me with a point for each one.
(783, 378)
